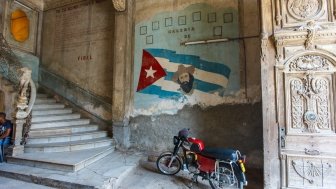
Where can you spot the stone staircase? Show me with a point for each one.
(58, 136)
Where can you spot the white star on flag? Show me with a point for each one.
(150, 72)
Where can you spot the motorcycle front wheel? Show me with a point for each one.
(224, 178)
(168, 164)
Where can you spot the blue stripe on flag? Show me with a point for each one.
(156, 90)
(191, 60)
(198, 84)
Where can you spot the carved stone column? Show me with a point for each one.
(17, 148)
(122, 73)
(119, 5)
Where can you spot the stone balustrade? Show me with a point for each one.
(20, 77)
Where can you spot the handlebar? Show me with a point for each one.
(184, 133)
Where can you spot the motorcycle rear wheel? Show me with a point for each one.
(163, 161)
(224, 179)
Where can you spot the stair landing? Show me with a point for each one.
(63, 161)
(105, 173)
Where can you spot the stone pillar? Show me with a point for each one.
(270, 127)
(122, 74)
(17, 148)
(2, 11)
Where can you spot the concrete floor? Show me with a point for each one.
(143, 176)
(15, 184)
(146, 176)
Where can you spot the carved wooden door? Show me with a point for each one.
(306, 110)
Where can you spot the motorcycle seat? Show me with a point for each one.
(220, 153)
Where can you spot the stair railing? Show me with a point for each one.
(13, 70)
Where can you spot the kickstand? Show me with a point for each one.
(194, 178)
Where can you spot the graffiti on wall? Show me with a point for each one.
(169, 74)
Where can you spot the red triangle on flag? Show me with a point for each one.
(151, 71)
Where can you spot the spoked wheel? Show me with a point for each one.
(223, 177)
(168, 164)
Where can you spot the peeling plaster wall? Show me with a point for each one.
(30, 44)
(2, 12)
(8, 97)
(30, 61)
(220, 72)
(77, 53)
(24, 51)
(234, 120)
(228, 126)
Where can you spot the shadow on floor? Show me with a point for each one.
(152, 178)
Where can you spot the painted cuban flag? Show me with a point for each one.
(170, 75)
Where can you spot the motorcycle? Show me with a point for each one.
(222, 167)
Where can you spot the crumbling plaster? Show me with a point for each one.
(236, 122)
(249, 55)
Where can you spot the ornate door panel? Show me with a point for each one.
(292, 13)
(309, 104)
(305, 172)
(307, 129)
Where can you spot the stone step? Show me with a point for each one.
(62, 161)
(51, 111)
(108, 172)
(65, 123)
(63, 130)
(48, 106)
(44, 100)
(68, 146)
(59, 117)
(66, 138)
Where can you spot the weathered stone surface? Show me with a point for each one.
(77, 45)
(30, 61)
(226, 126)
(30, 44)
(15, 184)
(2, 14)
(7, 97)
(235, 123)
(105, 173)
(96, 105)
(123, 65)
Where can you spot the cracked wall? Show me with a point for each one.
(77, 58)
(226, 116)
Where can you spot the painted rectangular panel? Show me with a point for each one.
(305, 143)
(204, 74)
(311, 172)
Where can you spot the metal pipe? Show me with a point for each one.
(205, 41)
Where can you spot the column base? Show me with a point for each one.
(122, 135)
(15, 150)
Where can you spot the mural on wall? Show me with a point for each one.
(169, 74)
